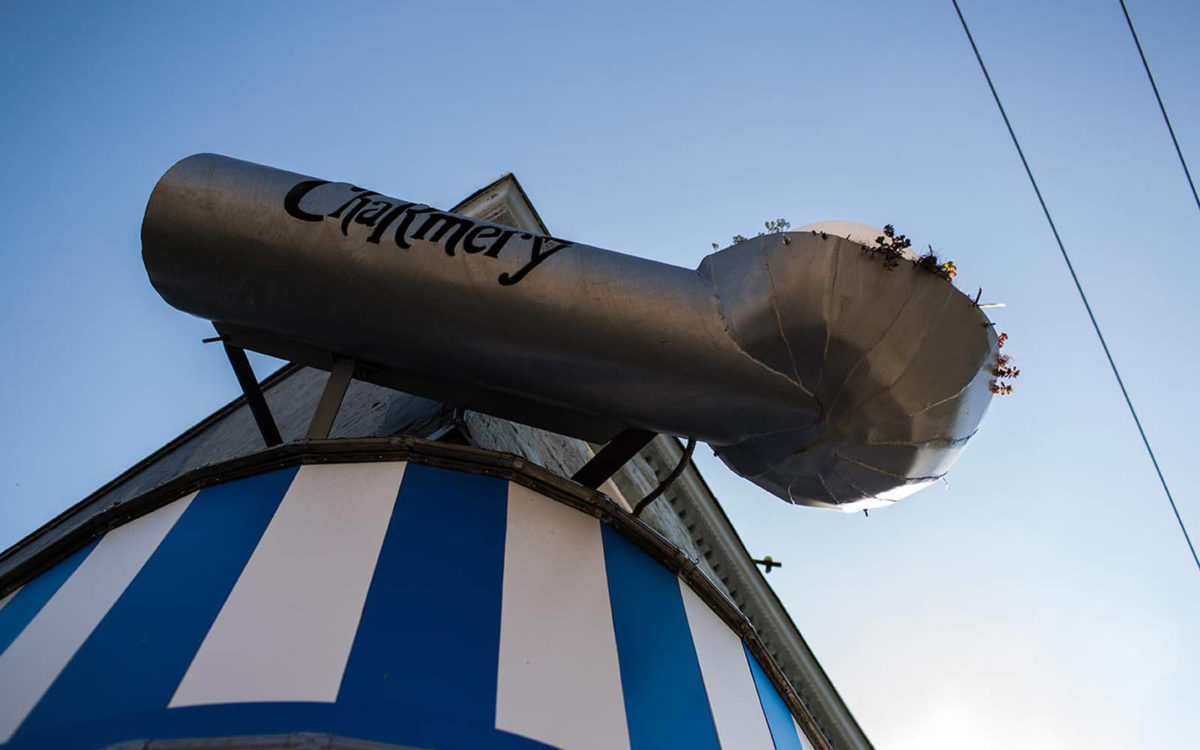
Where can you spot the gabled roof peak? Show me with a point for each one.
(505, 202)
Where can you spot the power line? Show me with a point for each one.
(1161, 108)
(1079, 287)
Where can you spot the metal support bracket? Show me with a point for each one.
(331, 399)
(254, 395)
(612, 457)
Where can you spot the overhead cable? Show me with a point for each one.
(1161, 107)
(1079, 287)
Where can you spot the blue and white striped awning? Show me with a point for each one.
(394, 602)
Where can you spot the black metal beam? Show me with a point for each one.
(613, 456)
(254, 395)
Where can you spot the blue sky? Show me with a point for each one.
(1044, 600)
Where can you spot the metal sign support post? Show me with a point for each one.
(254, 395)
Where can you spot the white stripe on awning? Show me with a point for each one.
(285, 631)
(35, 659)
(559, 680)
(732, 695)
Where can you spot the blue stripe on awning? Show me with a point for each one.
(427, 647)
(27, 602)
(665, 701)
(136, 656)
(779, 717)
